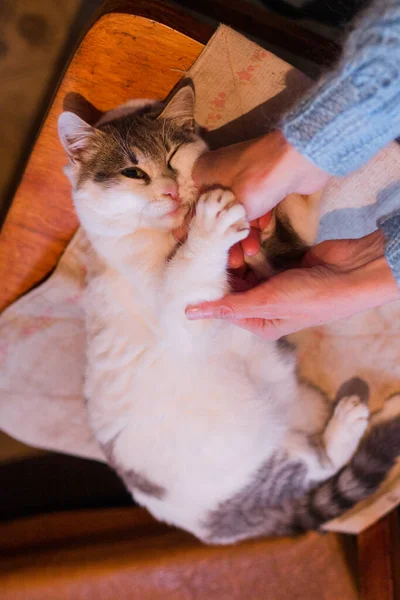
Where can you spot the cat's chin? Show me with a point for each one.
(173, 219)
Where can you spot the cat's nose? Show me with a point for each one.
(170, 189)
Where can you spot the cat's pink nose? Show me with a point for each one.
(171, 189)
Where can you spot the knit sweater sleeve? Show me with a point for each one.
(354, 110)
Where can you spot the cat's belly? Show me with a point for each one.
(198, 428)
(196, 424)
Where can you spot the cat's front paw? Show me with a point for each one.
(220, 217)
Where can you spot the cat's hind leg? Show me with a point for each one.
(345, 430)
(329, 450)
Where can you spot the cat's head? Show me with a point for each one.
(134, 172)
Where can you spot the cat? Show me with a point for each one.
(207, 424)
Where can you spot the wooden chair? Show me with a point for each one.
(140, 49)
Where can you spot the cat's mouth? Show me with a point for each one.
(176, 211)
(174, 214)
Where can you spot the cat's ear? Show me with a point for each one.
(180, 108)
(76, 136)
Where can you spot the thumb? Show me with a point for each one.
(223, 309)
(231, 307)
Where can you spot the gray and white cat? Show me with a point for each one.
(207, 424)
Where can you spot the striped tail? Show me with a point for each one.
(368, 468)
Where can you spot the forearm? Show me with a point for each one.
(354, 110)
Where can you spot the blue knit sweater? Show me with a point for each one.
(354, 110)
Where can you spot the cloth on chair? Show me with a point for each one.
(241, 91)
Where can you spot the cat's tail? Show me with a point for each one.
(363, 475)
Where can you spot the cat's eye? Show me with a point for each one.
(134, 173)
(170, 167)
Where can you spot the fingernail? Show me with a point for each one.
(197, 313)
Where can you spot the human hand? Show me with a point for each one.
(251, 245)
(337, 279)
(260, 172)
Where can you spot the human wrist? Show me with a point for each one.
(302, 173)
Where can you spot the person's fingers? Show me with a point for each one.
(232, 307)
(220, 309)
(236, 257)
(265, 220)
(259, 202)
(224, 309)
(251, 245)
